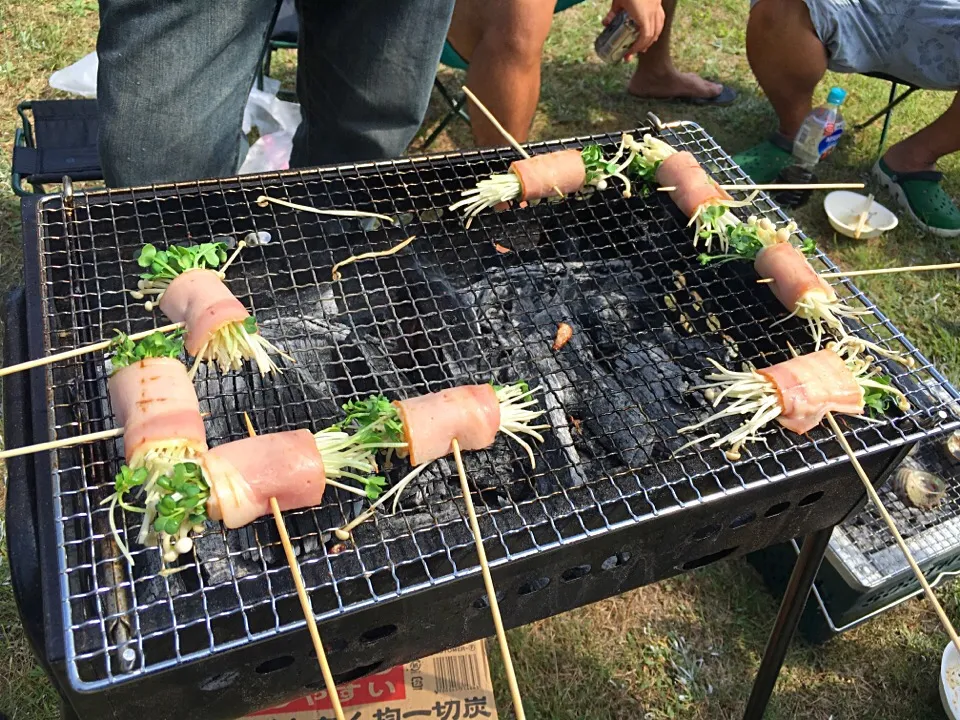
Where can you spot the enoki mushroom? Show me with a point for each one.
(756, 397)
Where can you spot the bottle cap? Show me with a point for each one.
(836, 96)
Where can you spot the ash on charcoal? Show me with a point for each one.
(614, 374)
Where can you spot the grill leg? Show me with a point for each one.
(794, 600)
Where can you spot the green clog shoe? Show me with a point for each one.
(921, 195)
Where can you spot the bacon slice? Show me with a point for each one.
(793, 276)
(244, 475)
(694, 186)
(540, 173)
(469, 413)
(810, 385)
(200, 300)
(155, 402)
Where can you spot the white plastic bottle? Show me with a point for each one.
(821, 130)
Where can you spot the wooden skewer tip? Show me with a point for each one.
(488, 584)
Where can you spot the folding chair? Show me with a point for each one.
(456, 102)
(56, 138)
(887, 112)
(283, 36)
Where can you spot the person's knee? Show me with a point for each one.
(519, 35)
(778, 18)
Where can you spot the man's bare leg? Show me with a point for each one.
(656, 76)
(502, 40)
(773, 26)
(921, 150)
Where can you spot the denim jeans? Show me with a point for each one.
(175, 75)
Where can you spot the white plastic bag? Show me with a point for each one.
(79, 78)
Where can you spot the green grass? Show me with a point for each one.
(687, 647)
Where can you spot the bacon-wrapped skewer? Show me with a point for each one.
(154, 401)
(234, 482)
(697, 195)
(423, 428)
(566, 171)
(184, 283)
(795, 284)
(797, 393)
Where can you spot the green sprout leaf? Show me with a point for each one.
(177, 259)
(156, 345)
(128, 479)
(183, 500)
(878, 400)
(809, 246)
(250, 325)
(373, 486)
(375, 419)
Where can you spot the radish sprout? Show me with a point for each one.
(229, 346)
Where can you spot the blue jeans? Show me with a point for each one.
(175, 75)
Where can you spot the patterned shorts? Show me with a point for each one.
(916, 41)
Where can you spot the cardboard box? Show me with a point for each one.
(452, 685)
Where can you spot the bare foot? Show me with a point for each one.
(671, 85)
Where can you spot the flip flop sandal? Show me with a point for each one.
(922, 196)
(726, 97)
(765, 161)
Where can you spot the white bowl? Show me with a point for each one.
(843, 209)
(950, 682)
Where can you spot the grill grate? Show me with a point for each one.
(448, 309)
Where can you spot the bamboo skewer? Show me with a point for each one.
(875, 498)
(488, 584)
(782, 186)
(67, 354)
(61, 443)
(304, 598)
(69, 442)
(882, 271)
(864, 216)
(501, 129)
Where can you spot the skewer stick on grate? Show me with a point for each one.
(780, 186)
(304, 598)
(875, 498)
(488, 584)
(881, 271)
(62, 443)
(70, 442)
(67, 354)
(501, 129)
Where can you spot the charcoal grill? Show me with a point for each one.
(610, 506)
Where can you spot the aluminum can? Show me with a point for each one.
(617, 37)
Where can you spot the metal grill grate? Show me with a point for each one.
(449, 309)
